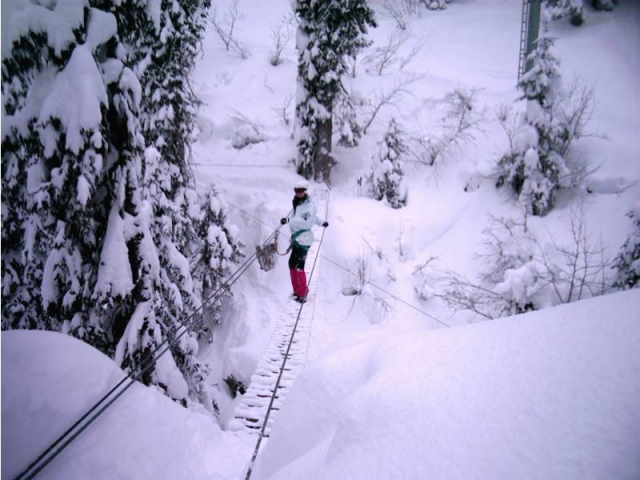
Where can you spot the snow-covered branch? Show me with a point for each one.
(523, 272)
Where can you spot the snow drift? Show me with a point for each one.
(553, 394)
(49, 380)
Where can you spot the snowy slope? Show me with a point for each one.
(49, 380)
(545, 395)
(471, 44)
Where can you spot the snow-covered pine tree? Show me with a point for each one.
(604, 5)
(386, 178)
(627, 263)
(346, 121)
(220, 250)
(162, 43)
(575, 12)
(536, 169)
(161, 48)
(574, 9)
(328, 33)
(53, 153)
(94, 224)
(162, 40)
(23, 254)
(435, 4)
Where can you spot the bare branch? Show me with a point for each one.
(417, 47)
(383, 307)
(283, 112)
(399, 10)
(461, 120)
(583, 264)
(389, 97)
(382, 57)
(425, 279)
(576, 106)
(281, 34)
(463, 294)
(225, 28)
(521, 271)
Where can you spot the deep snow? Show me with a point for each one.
(553, 394)
(49, 380)
(547, 395)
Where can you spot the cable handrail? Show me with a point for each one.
(236, 165)
(349, 271)
(391, 295)
(54, 449)
(173, 335)
(284, 363)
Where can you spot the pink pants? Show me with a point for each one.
(298, 282)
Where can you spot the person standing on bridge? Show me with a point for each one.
(300, 222)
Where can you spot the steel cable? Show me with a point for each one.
(284, 362)
(391, 295)
(76, 429)
(349, 271)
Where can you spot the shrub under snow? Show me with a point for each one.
(386, 178)
(627, 263)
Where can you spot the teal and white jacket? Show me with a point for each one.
(302, 220)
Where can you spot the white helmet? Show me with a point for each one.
(302, 185)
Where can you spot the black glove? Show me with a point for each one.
(283, 221)
(325, 224)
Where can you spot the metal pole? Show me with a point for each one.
(533, 28)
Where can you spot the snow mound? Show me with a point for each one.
(49, 380)
(545, 395)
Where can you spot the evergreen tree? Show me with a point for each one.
(219, 251)
(536, 169)
(574, 9)
(575, 12)
(161, 45)
(56, 105)
(161, 48)
(627, 263)
(23, 251)
(99, 207)
(347, 124)
(435, 4)
(386, 178)
(604, 5)
(329, 32)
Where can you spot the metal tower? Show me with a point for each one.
(529, 28)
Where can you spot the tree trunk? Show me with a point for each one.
(323, 160)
